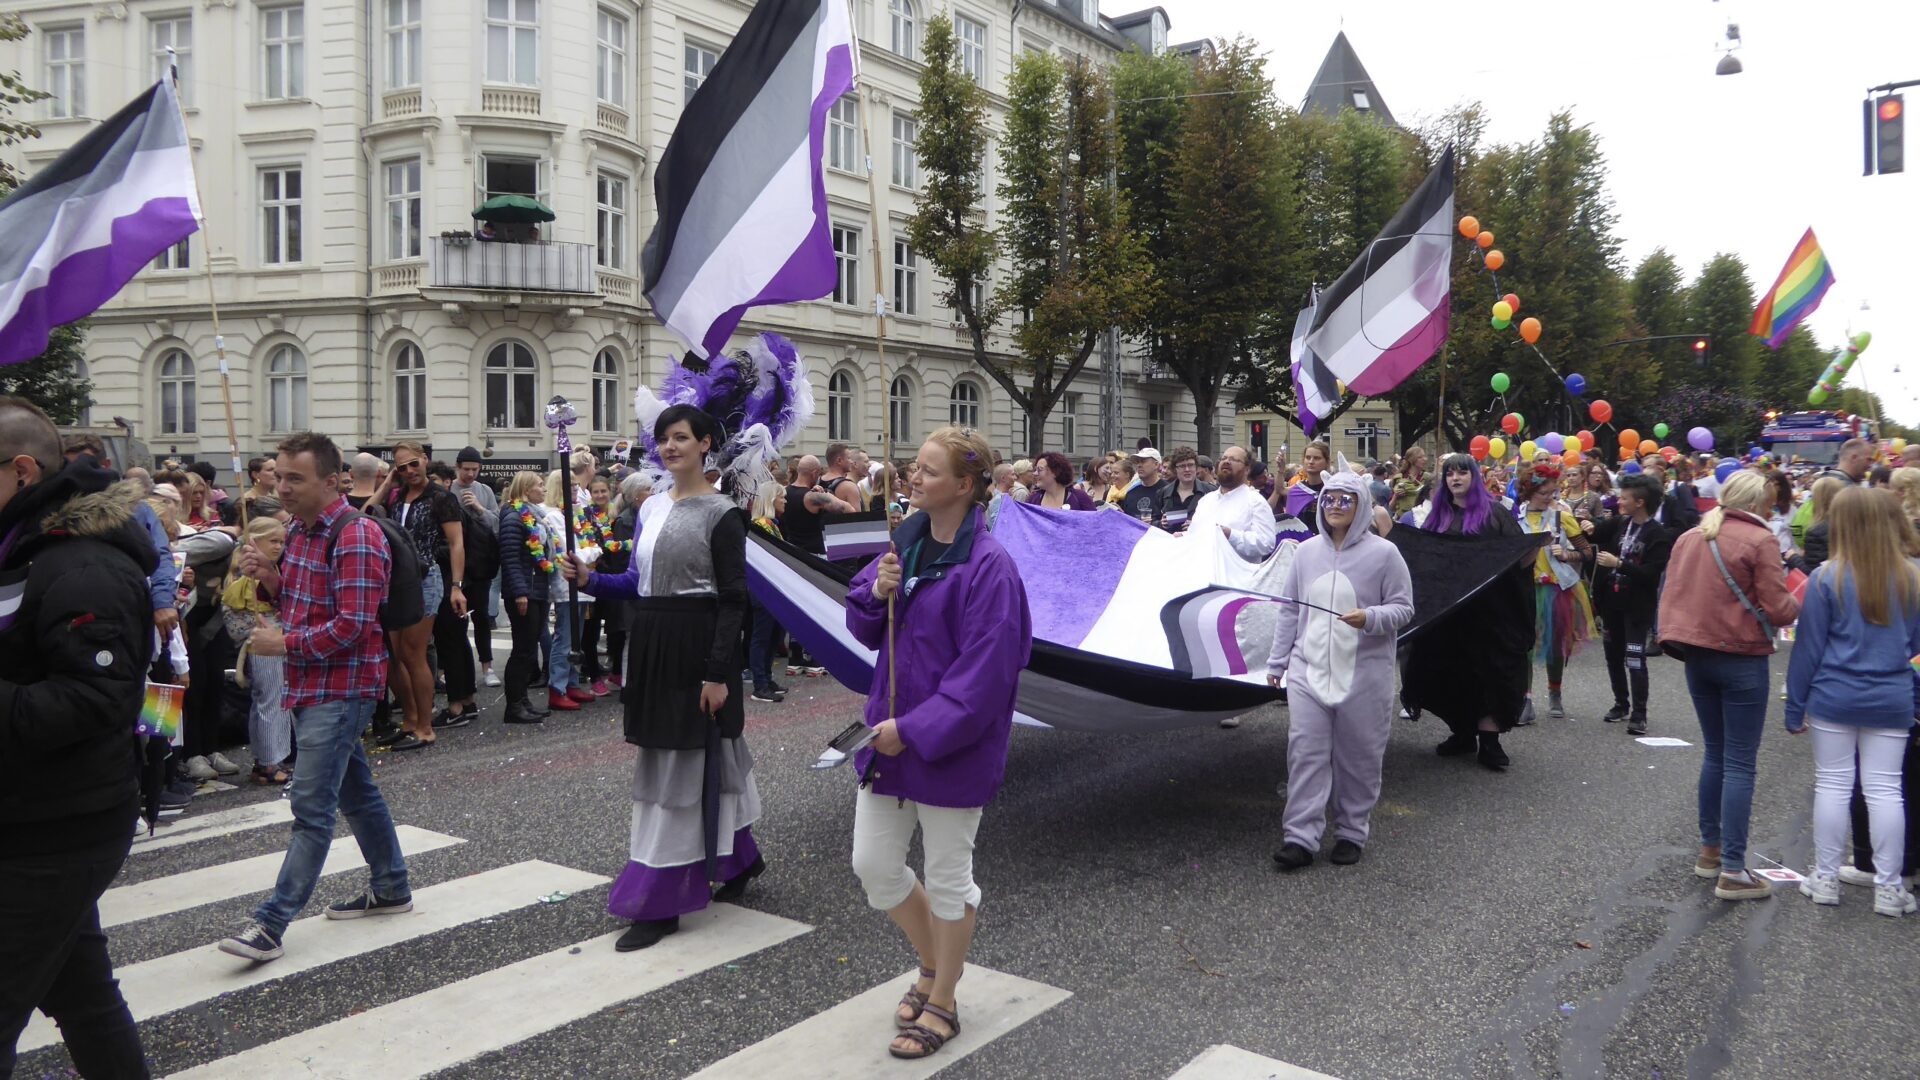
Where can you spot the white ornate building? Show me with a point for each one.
(342, 146)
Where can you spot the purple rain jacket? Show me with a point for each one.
(962, 634)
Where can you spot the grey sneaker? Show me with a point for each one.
(1526, 714)
(199, 768)
(1824, 891)
(222, 765)
(253, 942)
(1893, 902)
(1554, 708)
(1230, 722)
(1853, 875)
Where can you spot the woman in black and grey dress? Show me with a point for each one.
(694, 799)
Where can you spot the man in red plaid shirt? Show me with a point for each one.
(329, 631)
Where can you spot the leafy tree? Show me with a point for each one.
(947, 228)
(1720, 304)
(49, 380)
(1781, 377)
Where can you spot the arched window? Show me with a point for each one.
(840, 407)
(178, 394)
(900, 410)
(902, 14)
(409, 388)
(286, 390)
(963, 405)
(606, 391)
(512, 394)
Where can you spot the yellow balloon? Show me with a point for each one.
(1496, 448)
(1502, 310)
(1527, 449)
(1896, 445)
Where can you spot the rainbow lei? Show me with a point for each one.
(591, 524)
(536, 546)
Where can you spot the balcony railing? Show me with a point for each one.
(463, 263)
(400, 103)
(617, 286)
(396, 278)
(503, 101)
(611, 119)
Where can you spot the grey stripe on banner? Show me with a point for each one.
(25, 222)
(760, 142)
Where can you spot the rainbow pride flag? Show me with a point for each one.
(1795, 293)
(161, 713)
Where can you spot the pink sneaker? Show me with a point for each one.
(600, 687)
(615, 681)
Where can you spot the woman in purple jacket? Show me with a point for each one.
(961, 635)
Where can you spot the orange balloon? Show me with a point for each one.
(1495, 260)
(1629, 439)
(1648, 446)
(1669, 453)
(1585, 437)
(1469, 226)
(1513, 301)
(1485, 239)
(1530, 329)
(1571, 457)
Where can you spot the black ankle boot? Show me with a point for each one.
(645, 935)
(1456, 744)
(1490, 753)
(736, 887)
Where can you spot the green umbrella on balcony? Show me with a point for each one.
(513, 210)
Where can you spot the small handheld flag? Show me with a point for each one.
(160, 713)
(1794, 294)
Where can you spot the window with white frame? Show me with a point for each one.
(1090, 12)
(512, 388)
(906, 163)
(610, 232)
(906, 277)
(1069, 423)
(846, 264)
(280, 215)
(179, 394)
(403, 209)
(403, 43)
(843, 134)
(83, 416)
(513, 42)
(973, 48)
(286, 390)
(1019, 432)
(606, 390)
(977, 293)
(409, 388)
(176, 257)
(66, 71)
(175, 32)
(1157, 423)
(610, 65)
(283, 32)
(901, 15)
(900, 409)
(840, 406)
(697, 62)
(963, 405)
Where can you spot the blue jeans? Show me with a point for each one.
(332, 775)
(560, 673)
(1730, 697)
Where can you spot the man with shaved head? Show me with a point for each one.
(804, 525)
(364, 474)
(76, 636)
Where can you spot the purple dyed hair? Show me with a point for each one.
(1479, 509)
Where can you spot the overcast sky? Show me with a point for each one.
(1699, 163)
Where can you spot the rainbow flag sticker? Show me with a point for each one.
(1915, 664)
(161, 712)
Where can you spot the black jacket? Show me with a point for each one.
(520, 576)
(1638, 576)
(73, 661)
(1679, 510)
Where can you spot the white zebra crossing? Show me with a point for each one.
(850, 1040)
(460, 1021)
(178, 892)
(1224, 1062)
(181, 979)
(186, 830)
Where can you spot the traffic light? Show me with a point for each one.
(1699, 348)
(1889, 129)
(1257, 435)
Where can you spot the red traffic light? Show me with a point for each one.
(1700, 345)
(1890, 108)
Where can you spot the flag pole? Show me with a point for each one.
(213, 300)
(880, 345)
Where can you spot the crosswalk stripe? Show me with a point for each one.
(1223, 1062)
(178, 892)
(180, 979)
(191, 827)
(460, 1021)
(850, 1039)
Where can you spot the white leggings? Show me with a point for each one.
(1882, 752)
(883, 830)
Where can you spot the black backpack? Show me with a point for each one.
(403, 606)
(482, 549)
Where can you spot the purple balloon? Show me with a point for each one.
(1553, 443)
(1700, 438)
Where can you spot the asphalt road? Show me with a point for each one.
(1542, 922)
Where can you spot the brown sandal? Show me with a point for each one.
(912, 999)
(929, 1041)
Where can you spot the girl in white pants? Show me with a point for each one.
(1852, 681)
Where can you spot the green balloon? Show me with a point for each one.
(1500, 380)
(1660, 431)
(1522, 419)
(1501, 324)
(1861, 340)
(1816, 396)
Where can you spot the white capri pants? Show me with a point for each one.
(883, 830)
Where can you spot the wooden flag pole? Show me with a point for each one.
(880, 346)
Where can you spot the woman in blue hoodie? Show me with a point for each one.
(941, 707)
(1852, 681)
